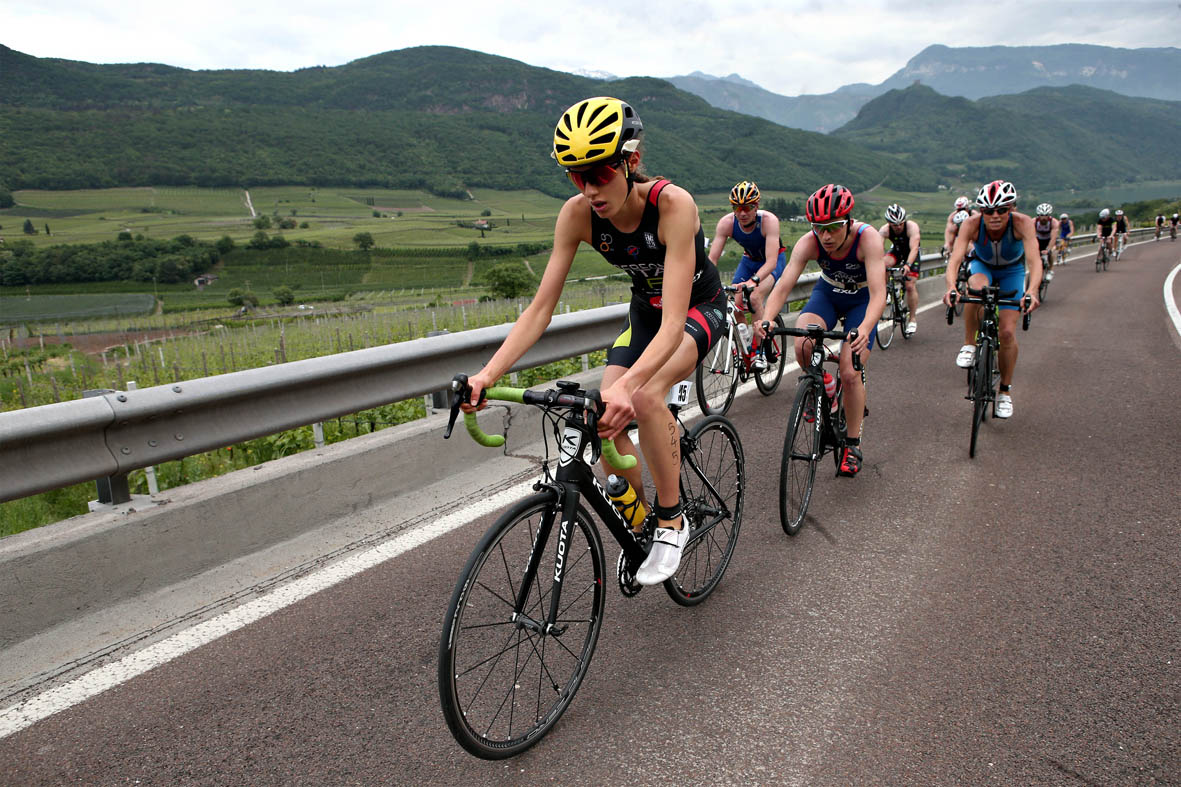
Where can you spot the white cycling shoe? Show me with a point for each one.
(1004, 406)
(966, 357)
(665, 555)
(911, 328)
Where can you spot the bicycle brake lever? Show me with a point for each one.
(459, 389)
(853, 354)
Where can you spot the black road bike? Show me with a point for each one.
(984, 374)
(732, 360)
(1047, 266)
(1102, 257)
(526, 612)
(816, 425)
(961, 282)
(896, 313)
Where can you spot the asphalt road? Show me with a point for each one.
(1008, 619)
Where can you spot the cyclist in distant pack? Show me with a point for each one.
(1160, 225)
(1105, 226)
(1000, 239)
(1045, 226)
(650, 229)
(763, 258)
(1065, 233)
(962, 204)
(1173, 226)
(903, 234)
(852, 289)
(1121, 227)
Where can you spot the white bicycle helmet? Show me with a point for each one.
(960, 217)
(1119, 213)
(997, 194)
(1064, 216)
(1104, 213)
(1045, 209)
(962, 203)
(895, 214)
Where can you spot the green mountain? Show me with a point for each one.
(971, 72)
(438, 118)
(1069, 137)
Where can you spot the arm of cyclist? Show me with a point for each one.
(873, 254)
(572, 227)
(959, 250)
(912, 232)
(1024, 231)
(949, 231)
(721, 234)
(804, 250)
(678, 228)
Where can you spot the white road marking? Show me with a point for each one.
(24, 714)
(1171, 302)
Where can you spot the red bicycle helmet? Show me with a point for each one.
(829, 203)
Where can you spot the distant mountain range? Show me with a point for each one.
(1049, 137)
(971, 72)
(439, 118)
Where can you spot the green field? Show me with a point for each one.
(74, 307)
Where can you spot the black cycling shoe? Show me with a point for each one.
(850, 461)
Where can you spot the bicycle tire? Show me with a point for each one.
(801, 454)
(493, 672)
(888, 319)
(768, 379)
(714, 509)
(1042, 289)
(716, 387)
(902, 317)
(979, 376)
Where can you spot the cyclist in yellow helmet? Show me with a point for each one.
(650, 229)
(763, 257)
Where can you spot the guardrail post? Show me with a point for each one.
(112, 490)
(150, 470)
(437, 400)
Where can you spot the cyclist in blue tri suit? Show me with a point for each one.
(852, 289)
(1002, 241)
(763, 258)
(650, 229)
(1065, 233)
(1045, 226)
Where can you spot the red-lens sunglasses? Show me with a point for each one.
(598, 175)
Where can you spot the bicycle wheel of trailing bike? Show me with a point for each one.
(713, 486)
(888, 322)
(717, 376)
(801, 453)
(775, 353)
(504, 676)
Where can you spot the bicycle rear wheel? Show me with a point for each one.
(801, 453)
(713, 487)
(717, 380)
(503, 679)
(887, 323)
(776, 355)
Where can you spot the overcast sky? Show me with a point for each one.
(789, 47)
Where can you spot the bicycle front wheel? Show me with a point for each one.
(801, 453)
(775, 353)
(888, 320)
(713, 487)
(717, 377)
(504, 678)
(981, 378)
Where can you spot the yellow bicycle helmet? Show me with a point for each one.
(745, 193)
(596, 129)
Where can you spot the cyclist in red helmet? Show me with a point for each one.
(852, 289)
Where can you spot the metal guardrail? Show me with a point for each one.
(56, 445)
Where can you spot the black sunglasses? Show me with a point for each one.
(990, 211)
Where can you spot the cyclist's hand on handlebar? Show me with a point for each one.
(1030, 303)
(950, 296)
(759, 328)
(477, 383)
(858, 340)
(618, 411)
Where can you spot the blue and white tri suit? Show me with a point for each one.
(1002, 261)
(843, 290)
(754, 245)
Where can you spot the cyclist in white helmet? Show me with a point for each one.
(950, 228)
(1065, 233)
(1003, 241)
(1045, 226)
(903, 234)
(1105, 226)
(1121, 227)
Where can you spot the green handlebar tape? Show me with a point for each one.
(615, 459)
(505, 394)
(473, 428)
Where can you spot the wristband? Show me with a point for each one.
(755, 279)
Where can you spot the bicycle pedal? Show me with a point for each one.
(628, 585)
